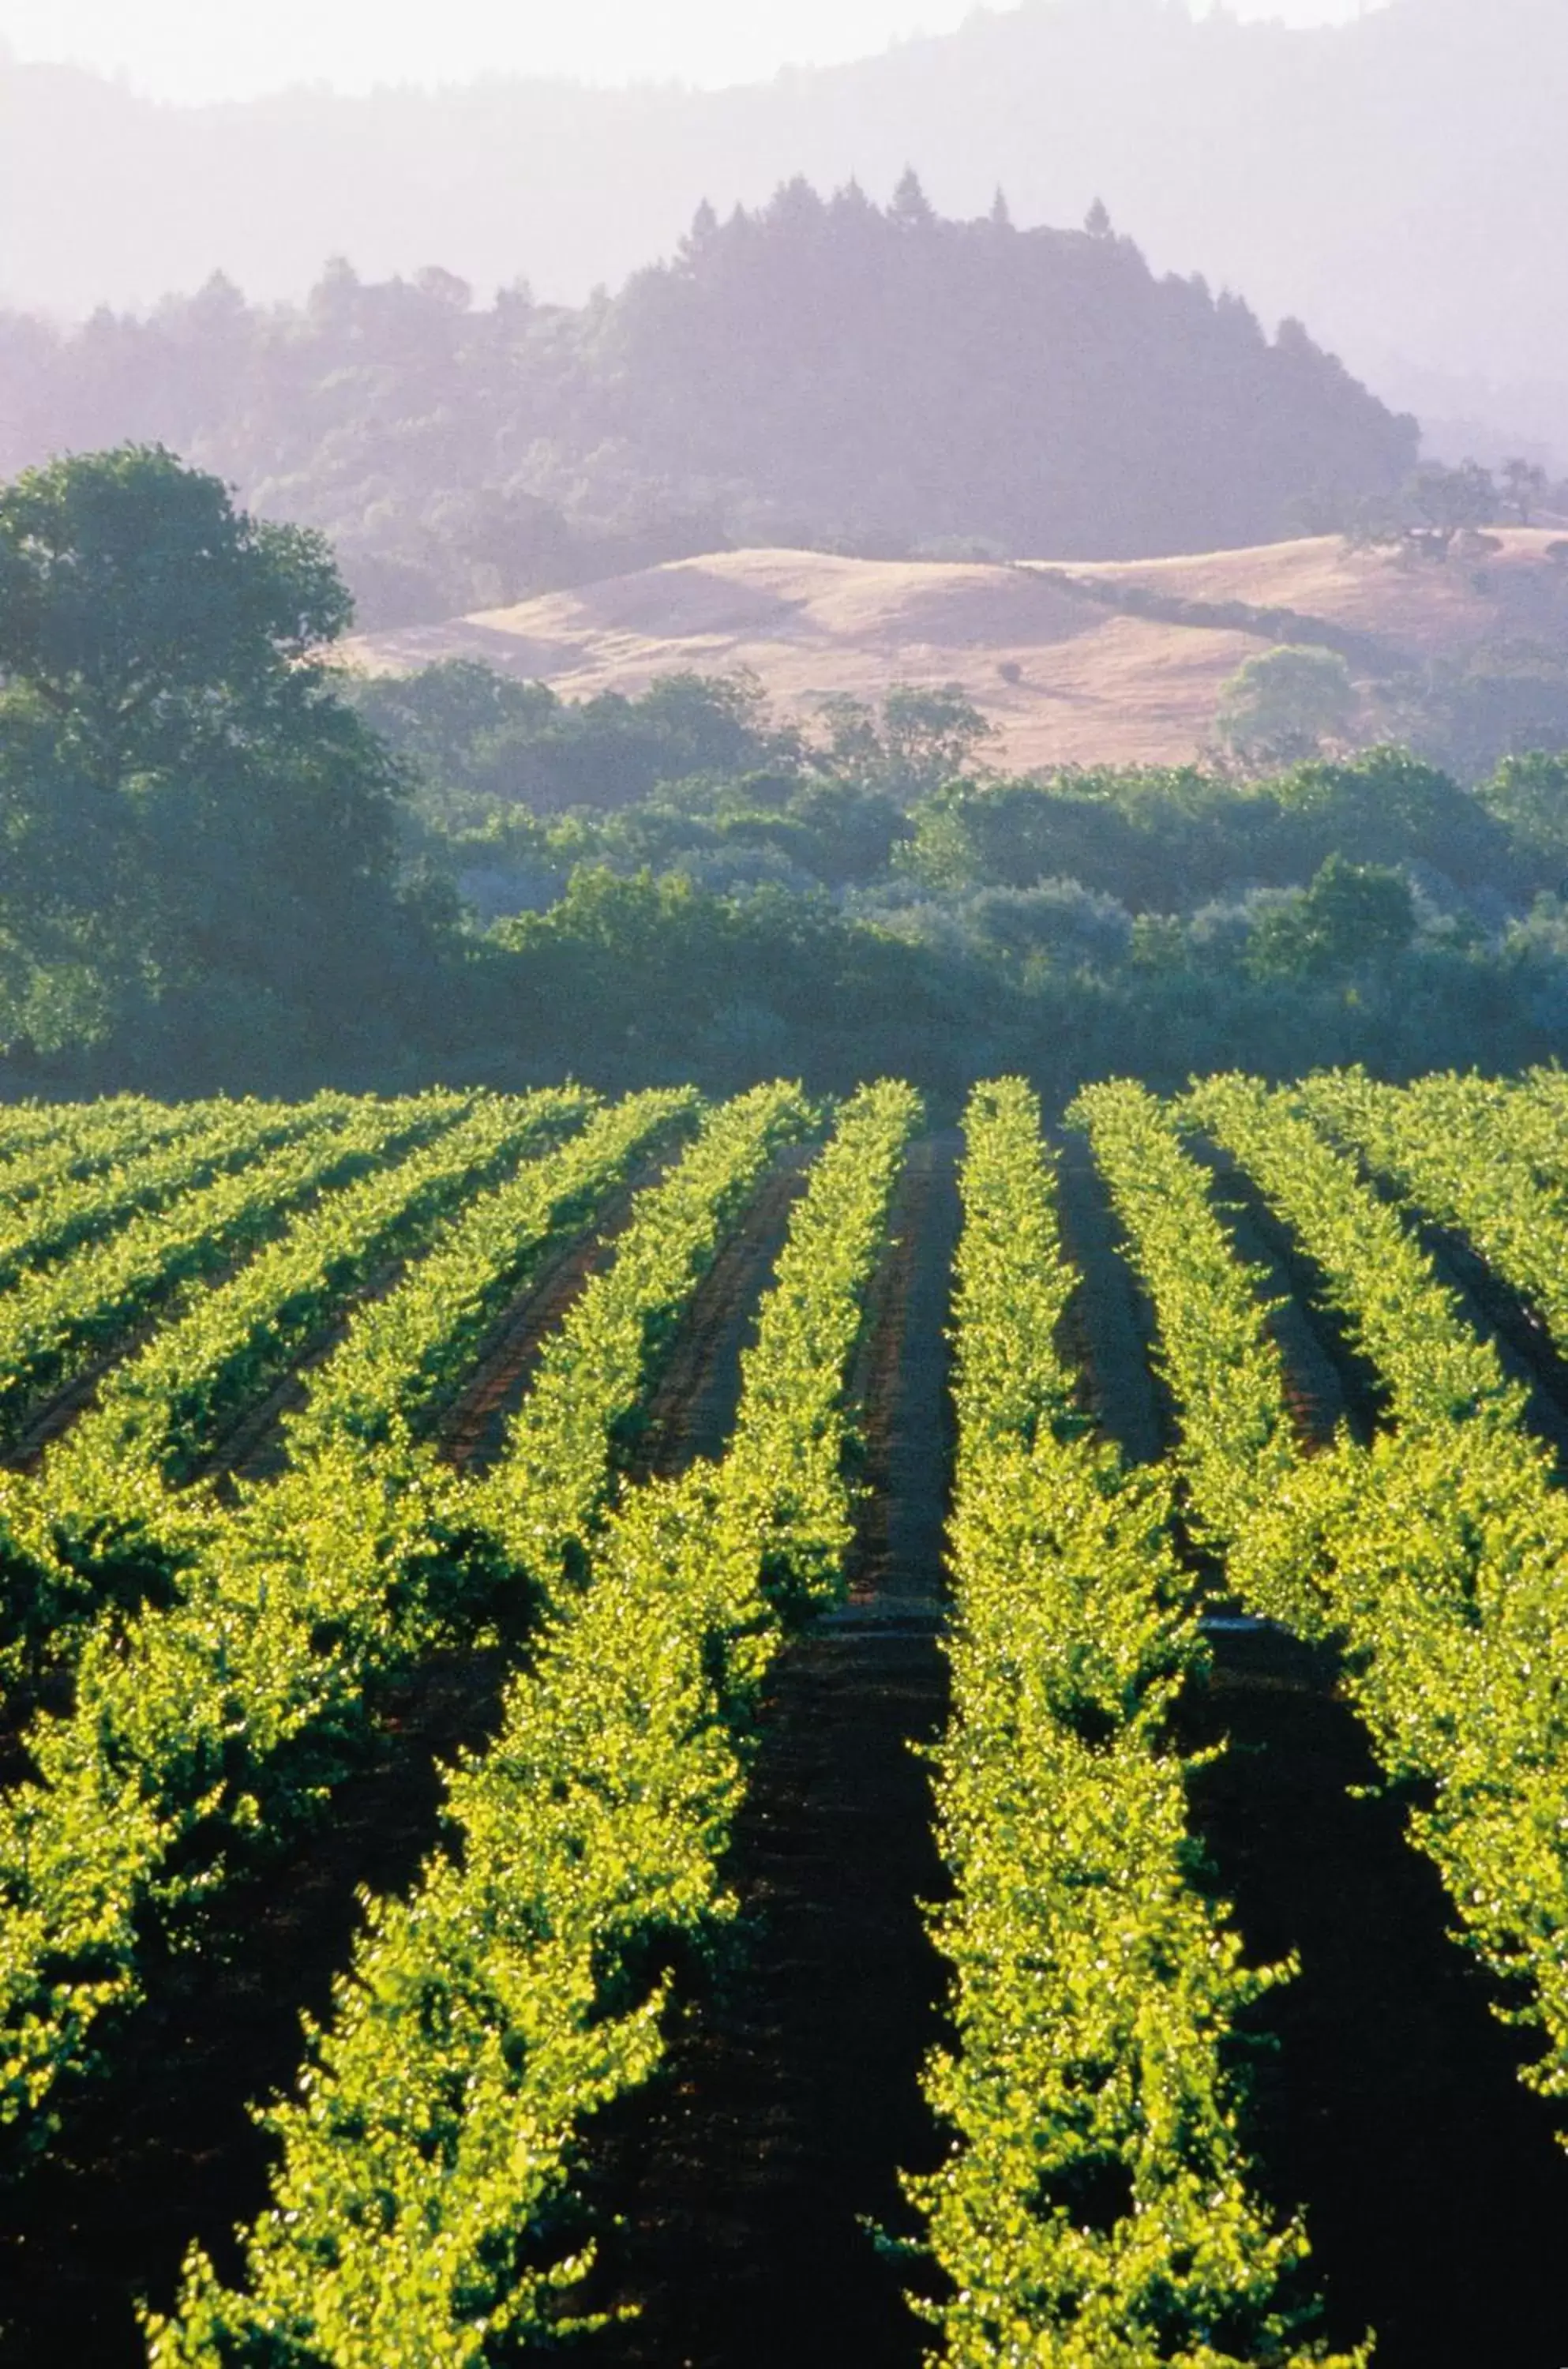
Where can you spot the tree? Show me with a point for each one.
(1451, 502)
(1349, 916)
(1529, 796)
(1283, 704)
(931, 736)
(923, 737)
(911, 209)
(1436, 507)
(145, 613)
(183, 796)
(1525, 487)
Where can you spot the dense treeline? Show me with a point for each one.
(1397, 179)
(819, 372)
(229, 867)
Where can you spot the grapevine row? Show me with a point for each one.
(403, 1356)
(53, 1320)
(52, 1193)
(165, 1409)
(1224, 1369)
(421, 2205)
(70, 1210)
(104, 1527)
(1440, 1550)
(225, 1713)
(57, 1129)
(575, 1425)
(1096, 2204)
(1449, 1146)
(1434, 1552)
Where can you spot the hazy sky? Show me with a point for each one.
(210, 49)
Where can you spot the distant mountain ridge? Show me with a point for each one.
(1400, 181)
(822, 372)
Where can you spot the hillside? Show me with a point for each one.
(1095, 684)
(1400, 181)
(824, 372)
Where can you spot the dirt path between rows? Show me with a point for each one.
(747, 2177)
(472, 1425)
(162, 2150)
(1385, 2097)
(692, 1409)
(1383, 2093)
(1110, 1325)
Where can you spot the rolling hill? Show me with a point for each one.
(1120, 662)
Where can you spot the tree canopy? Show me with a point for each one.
(819, 370)
(190, 812)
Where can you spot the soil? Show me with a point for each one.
(1386, 2099)
(471, 1428)
(1383, 2093)
(1327, 1378)
(1520, 1333)
(1110, 1325)
(254, 1447)
(1316, 1339)
(161, 2149)
(53, 1415)
(737, 2197)
(749, 2182)
(692, 1409)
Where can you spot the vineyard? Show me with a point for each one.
(710, 1733)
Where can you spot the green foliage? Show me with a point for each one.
(1215, 1349)
(165, 1407)
(1511, 1205)
(400, 1358)
(564, 1443)
(1165, 839)
(1436, 1552)
(1348, 916)
(1434, 506)
(421, 2203)
(639, 972)
(1096, 2205)
(218, 1718)
(57, 1319)
(1529, 797)
(476, 737)
(87, 1179)
(1284, 703)
(218, 872)
(189, 810)
(922, 739)
(147, 616)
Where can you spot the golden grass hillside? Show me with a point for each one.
(1064, 674)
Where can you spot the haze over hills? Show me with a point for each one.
(822, 373)
(1399, 181)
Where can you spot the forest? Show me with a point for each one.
(1395, 177)
(822, 371)
(232, 865)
